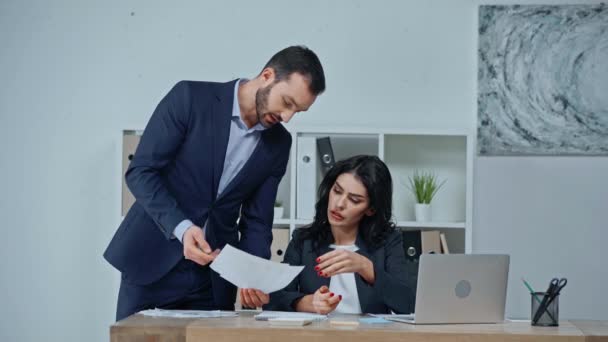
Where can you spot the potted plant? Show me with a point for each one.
(278, 209)
(424, 186)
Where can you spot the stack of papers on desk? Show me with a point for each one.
(187, 313)
(249, 271)
(405, 318)
(267, 315)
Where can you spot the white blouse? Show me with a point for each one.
(344, 284)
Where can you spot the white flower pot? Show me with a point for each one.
(278, 213)
(423, 212)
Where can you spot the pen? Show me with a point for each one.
(532, 292)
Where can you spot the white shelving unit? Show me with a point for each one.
(449, 154)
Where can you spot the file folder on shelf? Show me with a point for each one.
(129, 145)
(430, 241)
(306, 177)
(444, 244)
(326, 154)
(416, 242)
(280, 240)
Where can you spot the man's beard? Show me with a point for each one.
(261, 103)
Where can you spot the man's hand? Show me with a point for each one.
(345, 261)
(324, 301)
(253, 298)
(196, 248)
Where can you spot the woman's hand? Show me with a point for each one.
(345, 261)
(324, 301)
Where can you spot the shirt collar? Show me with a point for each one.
(236, 110)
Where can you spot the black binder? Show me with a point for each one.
(413, 246)
(326, 154)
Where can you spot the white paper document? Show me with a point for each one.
(266, 315)
(188, 313)
(249, 271)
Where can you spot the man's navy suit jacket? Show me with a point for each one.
(174, 175)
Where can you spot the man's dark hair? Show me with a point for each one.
(302, 60)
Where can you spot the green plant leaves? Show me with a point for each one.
(424, 186)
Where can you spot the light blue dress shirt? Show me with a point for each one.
(241, 144)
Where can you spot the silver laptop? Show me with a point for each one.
(459, 288)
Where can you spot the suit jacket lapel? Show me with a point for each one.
(221, 114)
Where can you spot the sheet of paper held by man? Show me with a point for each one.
(249, 271)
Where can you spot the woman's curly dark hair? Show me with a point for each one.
(376, 178)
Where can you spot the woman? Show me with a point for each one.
(352, 252)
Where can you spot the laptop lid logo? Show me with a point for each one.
(463, 289)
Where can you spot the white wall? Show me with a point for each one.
(550, 215)
(74, 73)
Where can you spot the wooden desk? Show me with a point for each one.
(244, 328)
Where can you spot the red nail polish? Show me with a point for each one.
(321, 274)
(318, 259)
(317, 268)
(340, 297)
(331, 294)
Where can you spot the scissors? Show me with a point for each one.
(555, 287)
(558, 285)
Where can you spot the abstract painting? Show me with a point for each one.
(543, 80)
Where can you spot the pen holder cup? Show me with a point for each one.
(550, 316)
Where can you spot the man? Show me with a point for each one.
(210, 153)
